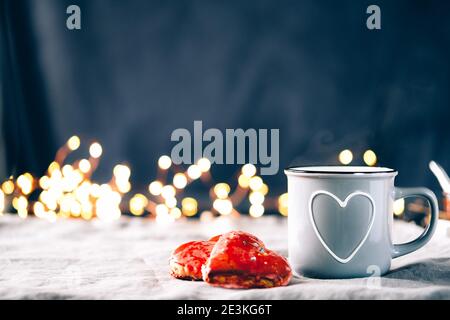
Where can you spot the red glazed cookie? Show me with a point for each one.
(240, 260)
(187, 260)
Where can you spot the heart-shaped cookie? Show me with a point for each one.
(187, 260)
(240, 260)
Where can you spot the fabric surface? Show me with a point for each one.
(128, 259)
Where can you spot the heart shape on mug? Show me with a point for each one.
(342, 204)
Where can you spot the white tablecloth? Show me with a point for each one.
(74, 259)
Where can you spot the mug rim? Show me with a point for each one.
(333, 170)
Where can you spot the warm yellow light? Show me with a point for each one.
(107, 208)
(256, 210)
(95, 150)
(283, 200)
(116, 197)
(243, 181)
(67, 170)
(23, 213)
(86, 210)
(264, 189)
(179, 180)
(87, 215)
(39, 209)
(107, 205)
(75, 209)
(77, 176)
(175, 213)
(50, 198)
(105, 190)
(168, 192)
(95, 190)
(256, 183)
(283, 204)
(171, 203)
(223, 206)
(84, 165)
(66, 214)
(54, 166)
(73, 143)
(8, 187)
(204, 164)
(25, 183)
(52, 205)
(189, 206)
(56, 176)
(65, 203)
(370, 158)
(123, 186)
(399, 207)
(43, 196)
(71, 178)
(256, 197)
(44, 182)
(194, 172)
(222, 190)
(164, 162)
(121, 172)
(249, 170)
(51, 216)
(161, 209)
(138, 204)
(121, 175)
(20, 203)
(155, 188)
(345, 157)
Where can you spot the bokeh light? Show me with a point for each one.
(138, 204)
(204, 164)
(221, 190)
(155, 188)
(189, 206)
(84, 165)
(180, 180)
(399, 207)
(345, 157)
(194, 172)
(249, 170)
(164, 162)
(73, 143)
(256, 210)
(243, 181)
(168, 191)
(223, 206)
(370, 158)
(8, 187)
(256, 183)
(283, 204)
(95, 150)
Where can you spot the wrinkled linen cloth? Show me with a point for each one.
(128, 259)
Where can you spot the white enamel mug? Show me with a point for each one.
(340, 220)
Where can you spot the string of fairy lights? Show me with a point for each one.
(67, 190)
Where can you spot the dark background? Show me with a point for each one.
(140, 69)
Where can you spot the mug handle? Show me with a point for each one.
(399, 250)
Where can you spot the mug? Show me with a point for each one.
(340, 220)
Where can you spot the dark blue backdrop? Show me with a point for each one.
(139, 69)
